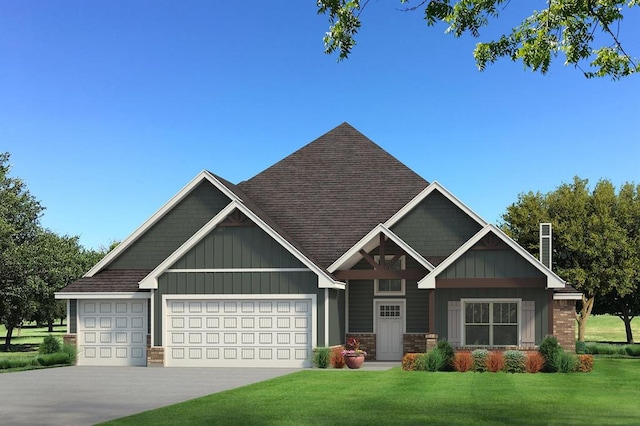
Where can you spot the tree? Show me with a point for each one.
(624, 307)
(19, 223)
(595, 244)
(585, 32)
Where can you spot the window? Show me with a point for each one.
(491, 323)
(390, 286)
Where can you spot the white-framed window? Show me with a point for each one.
(384, 287)
(491, 322)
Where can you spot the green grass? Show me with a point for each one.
(28, 338)
(608, 395)
(609, 328)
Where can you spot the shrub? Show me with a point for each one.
(480, 359)
(633, 350)
(447, 352)
(49, 345)
(463, 361)
(435, 361)
(565, 362)
(70, 350)
(581, 347)
(321, 357)
(549, 349)
(21, 362)
(58, 358)
(585, 363)
(534, 362)
(421, 362)
(409, 361)
(495, 361)
(515, 361)
(605, 349)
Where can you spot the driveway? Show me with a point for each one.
(88, 395)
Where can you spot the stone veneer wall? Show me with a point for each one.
(155, 356)
(367, 343)
(564, 323)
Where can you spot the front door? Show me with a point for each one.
(389, 329)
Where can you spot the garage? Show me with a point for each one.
(112, 332)
(238, 332)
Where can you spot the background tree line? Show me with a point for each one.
(34, 262)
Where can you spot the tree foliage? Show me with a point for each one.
(586, 33)
(595, 238)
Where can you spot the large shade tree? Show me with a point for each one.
(587, 33)
(595, 243)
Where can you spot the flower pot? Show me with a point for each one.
(354, 361)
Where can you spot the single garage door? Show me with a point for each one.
(112, 332)
(238, 332)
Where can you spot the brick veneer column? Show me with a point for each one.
(155, 355)
(564, 323)
(367, 343)
(414, 343)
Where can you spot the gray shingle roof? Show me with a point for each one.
(330, 193)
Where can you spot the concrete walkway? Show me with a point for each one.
(89, 395)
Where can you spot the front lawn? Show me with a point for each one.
(608, 395)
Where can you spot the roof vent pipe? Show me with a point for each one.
(545, 244)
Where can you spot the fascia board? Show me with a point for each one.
(103, 295)
(429, 282)
(353, 251)
(567, 296)
(406, 247)
(113, 254)
(433, 186)
(151, 280)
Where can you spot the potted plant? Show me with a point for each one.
(353, 355)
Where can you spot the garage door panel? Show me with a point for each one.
(247, 332)
(112, 332)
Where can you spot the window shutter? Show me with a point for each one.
(528, 327)
(454, 328)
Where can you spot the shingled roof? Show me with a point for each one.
(330, 193)
(115, 280)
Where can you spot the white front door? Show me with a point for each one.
(390, 323)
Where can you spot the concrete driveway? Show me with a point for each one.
(88, 395)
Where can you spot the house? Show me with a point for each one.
(338, 239)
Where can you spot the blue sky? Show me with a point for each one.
(108, 108)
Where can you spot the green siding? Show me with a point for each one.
(73, 316)
(360, 306)
(237, 247)
(241, 283)
(491, 264)
(537, 295)
(172, 230)
(436, 227)
(417, 308)
(336, 317)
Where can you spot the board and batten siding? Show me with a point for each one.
(224, 283)
(491, 264)
(73, 316)
(448, 298)
(436, 226)
(173, 229)
(237, 247)
(336, 317)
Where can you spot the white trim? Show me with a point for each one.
(567, 296)
(186, 190)
(104, 295)
(247, 270)
(376, 282)
(312, 297)
(369, 242)
(434, 186)
(463, 336)
(153, 322)
(429, 282)
(151, 280)
(69, 316)
(346, 308)
(326, 317)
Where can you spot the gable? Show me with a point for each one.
(240, 247)
(436, 227)
(172, 229)
(491, 258)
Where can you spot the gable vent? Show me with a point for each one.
(545, 244)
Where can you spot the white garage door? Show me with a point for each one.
(238, 332)
(112, 332)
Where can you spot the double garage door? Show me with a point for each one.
(238, 332)
(112, 332)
